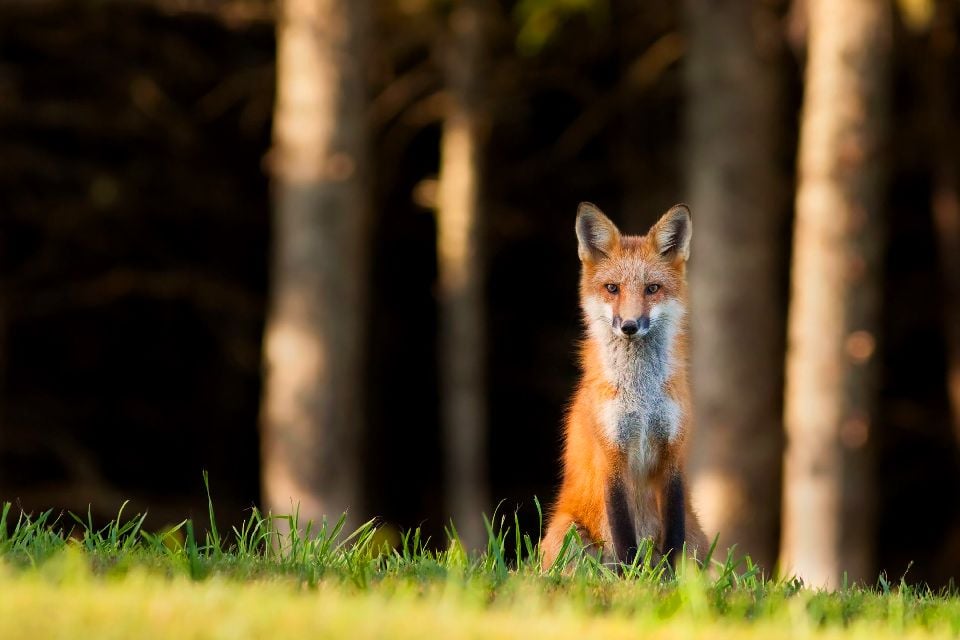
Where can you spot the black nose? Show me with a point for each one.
(629, 327)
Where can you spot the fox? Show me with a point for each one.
(625, 430)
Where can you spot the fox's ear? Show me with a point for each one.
(673, 231)
(596, 233)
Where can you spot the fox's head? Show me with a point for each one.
(631, 285)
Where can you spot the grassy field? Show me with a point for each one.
(62, 577)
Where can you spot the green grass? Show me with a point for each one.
(64, 577)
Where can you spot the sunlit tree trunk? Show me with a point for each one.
(828, 485)
(735, 190)
(312, 422)
(462, 308)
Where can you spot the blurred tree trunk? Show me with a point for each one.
(828, 524)
(462, 308)
(735, 189)
(312, 420)
(944, 138)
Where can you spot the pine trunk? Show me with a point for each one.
(828, 524)
(312, 420)
(462, 308)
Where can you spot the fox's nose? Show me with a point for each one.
(632, 327)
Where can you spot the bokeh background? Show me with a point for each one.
(324, 250)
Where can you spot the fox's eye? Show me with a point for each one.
(612, 288)
(652, 289)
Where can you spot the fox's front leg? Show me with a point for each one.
(674, 517)
(560, 524)
(623, 534)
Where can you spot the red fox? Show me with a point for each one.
(626, 428)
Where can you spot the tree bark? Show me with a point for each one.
(312, 420)
(462, 307)
(828, 525)
(735, 189)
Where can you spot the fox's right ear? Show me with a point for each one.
(596, 233)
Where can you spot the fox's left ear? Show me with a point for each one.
(673, 231)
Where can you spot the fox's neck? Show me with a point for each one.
(640, 367)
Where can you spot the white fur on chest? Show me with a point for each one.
(641, 426)
(629, 421)
(642, 417)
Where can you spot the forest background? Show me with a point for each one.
(325, 249)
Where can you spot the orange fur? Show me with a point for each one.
(592, 456)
